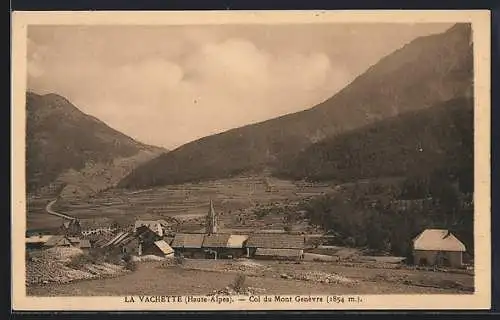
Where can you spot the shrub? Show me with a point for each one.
(167, 263)
(80, 260)
(113, 258)
(179, 260)
(96, 255)
(239, 282)
(131, 265)
(127, 257)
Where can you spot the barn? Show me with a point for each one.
(277, 246)
(83, 244)
(57, 241)
(189, 245)
(438, 247)
(124, 242)
(219, 245)
(155, 226)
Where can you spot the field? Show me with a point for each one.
(37, 217)
(201, 277)
(239, 201)
(234, 199)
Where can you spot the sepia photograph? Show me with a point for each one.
(236, 161)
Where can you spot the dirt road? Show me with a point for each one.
(150, 278)
(49, 210)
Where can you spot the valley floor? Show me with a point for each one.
(234, 199)
(201, 277)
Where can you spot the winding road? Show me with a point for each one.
(49, 210)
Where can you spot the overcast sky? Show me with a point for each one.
(168, 85)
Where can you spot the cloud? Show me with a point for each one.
(169, 86)
(219, 86)
(35, 53)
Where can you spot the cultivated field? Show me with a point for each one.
(234, 199)
(201, 277)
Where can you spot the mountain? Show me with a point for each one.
(418, 143)
(72, 152)
(423, 73)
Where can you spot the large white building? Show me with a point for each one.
(438, 247)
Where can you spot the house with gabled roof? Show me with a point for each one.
(155, 226)
(237, 241)
(189, 244)
(218, 245)
(216, 240)
(37, 241)
(80, 243)
(277, 246)
(98, 240)
(57, 241)
(438, 247)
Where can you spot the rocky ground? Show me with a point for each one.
(52, 266)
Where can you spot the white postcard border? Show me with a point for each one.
(480, 20)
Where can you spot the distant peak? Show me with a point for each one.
(56, 97)
(32, 94)
(461, 27)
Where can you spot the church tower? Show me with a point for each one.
(211, 225)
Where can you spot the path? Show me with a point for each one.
(49, 210)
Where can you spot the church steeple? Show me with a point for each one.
(211, 225)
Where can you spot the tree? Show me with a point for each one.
(416, 187)
(447, 195)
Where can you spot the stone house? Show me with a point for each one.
(438, 247)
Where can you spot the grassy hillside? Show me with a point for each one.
(432, 150)
(414, 143)
(427, 71)
(67, 148)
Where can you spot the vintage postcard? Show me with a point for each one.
(251, 160)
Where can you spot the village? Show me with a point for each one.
(437, 251)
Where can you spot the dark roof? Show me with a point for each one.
(164, 247)
(275, 241)
(84, 243)
(187, 240)
(163, 222)
(168, 240)
(216, 240)
(102, 239)
(57, 241)
(289, 253)
(145, 233)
